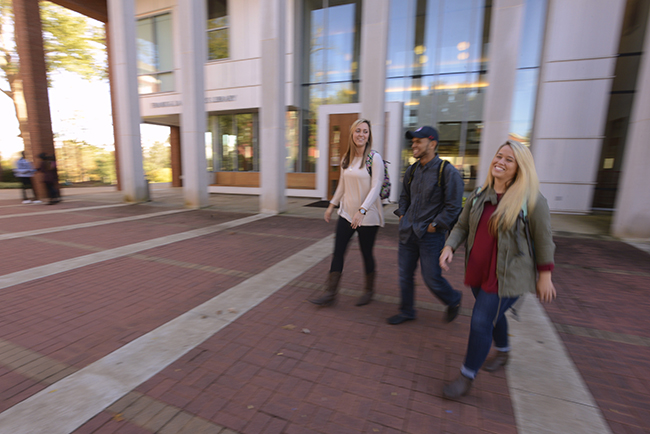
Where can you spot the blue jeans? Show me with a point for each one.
(488, 322)
(427, 250)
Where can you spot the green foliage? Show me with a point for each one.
(73, 42)
(160, 175)
(218, 44)
(7, 175)
(8, 185)
(157, 162)
(81, 162)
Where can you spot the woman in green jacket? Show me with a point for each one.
(506, 226)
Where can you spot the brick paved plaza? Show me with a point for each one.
(151, 318)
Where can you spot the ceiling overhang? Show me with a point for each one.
(95, 9)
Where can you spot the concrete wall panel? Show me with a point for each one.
(568, 198)
(588, 69)
(152, 6)
(574, 109)
(583, 29)
(566, 160)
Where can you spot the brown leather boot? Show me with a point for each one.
(496, 362)
(329, 298)
(369, 290)
(457, 388)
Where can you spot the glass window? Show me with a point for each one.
(218, 29)
(155, 61)
(245, 143)
(209, 151)
(436, 65)
(291, 141)
(528, 64)
(231, 143)
(331, 76)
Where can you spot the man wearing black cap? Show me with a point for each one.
(429, 205)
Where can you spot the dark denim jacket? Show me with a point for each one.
(423, 201)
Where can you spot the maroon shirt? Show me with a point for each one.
(481, 269)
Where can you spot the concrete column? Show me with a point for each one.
(273, 109)
(126, 113)
(372, 86)
(505, 33)
(29, 43)
(175, 144)
(579, 57)
(632, 215)
(192, 23)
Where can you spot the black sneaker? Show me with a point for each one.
(452, 313)
(398, 319)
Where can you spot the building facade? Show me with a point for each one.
(259, 94)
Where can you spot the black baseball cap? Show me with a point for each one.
(422, 132)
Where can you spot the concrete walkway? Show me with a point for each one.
(121, 385)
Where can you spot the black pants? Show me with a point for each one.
(27, 185)
(344, 232)
(52, 191)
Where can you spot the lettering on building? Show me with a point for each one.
(226, 98)
(165, 104)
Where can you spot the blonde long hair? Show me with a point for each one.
(347, 158)
(523, 188)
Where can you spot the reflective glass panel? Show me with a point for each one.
(341, 93)
(217, 14)
(245, 145)
(164, 42)
(166, 82)
(400, 38)
(155, 54)
(523, 107)
(218, 31)
(147, 84)
(218, 44)
(332, 43)
(436, 66)
(209, 153)
(460, 36)
(146, 47)
(291, 141)
(341, 56)
(530, 49)
(228, 142)
(532, 35)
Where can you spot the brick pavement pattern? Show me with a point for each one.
(287, 366)
(602, 316)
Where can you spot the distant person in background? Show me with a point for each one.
(24, 172)
(48, 169)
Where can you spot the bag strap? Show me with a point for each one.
(369, 161)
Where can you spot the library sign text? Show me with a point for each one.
(210, 99)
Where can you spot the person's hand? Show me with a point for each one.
(545, 288)
(446, 257)
(328, 213)
(357, 220)
(431, 228)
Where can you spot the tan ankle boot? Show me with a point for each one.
(457, 388)
(496, 362)
(369, 290)
(329, 298)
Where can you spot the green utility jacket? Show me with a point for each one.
(517, 260)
